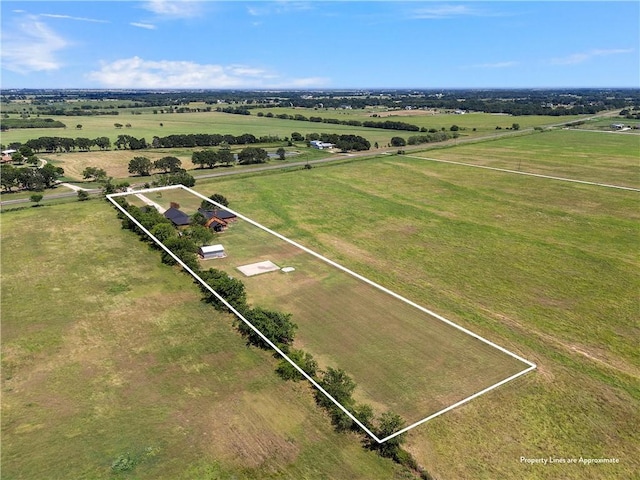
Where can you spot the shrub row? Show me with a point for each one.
(387, 124)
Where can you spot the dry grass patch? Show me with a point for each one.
(108, 355)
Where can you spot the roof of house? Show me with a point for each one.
(178, 217)
(218, 212)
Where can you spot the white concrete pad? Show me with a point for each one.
(258, 268)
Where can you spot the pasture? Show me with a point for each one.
(402, 358)
(483, 123)
(577, 154)
(145, 124)
(547, 269)
(110, 362)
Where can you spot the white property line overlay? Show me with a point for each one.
(505, 170)
(531, 365)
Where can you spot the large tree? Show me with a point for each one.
(205, 157)
(231, 289)
(163, 231)
(340, 386)
(303, 359)
(168, 164)
(225, 156)
(103, 143)
(50, 174)
(252, 155)
(389, 423)
(8, 177)
(140, 166)
(94, 173)
(30, 179)
(216, 197)
(199, 234)
(276, 326)
(398, 142)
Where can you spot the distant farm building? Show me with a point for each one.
(211, 251)
(6, 155)
(177, 217)
(320, 145)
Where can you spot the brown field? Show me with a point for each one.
(114, 162)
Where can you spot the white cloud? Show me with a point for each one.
(69, 17)
(136, 72)
(174, 9)
(147, 26)
(577, 58)
(31, 46)
(443, 11)
(278, 8)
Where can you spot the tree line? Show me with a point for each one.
(387, 124)
(8, 123)
(514, 101)
(278, 327)
(128, 142)
(63, 144)
(28, 178)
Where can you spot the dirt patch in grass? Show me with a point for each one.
(237, 433)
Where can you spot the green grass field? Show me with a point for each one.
(107, 355)
(402, 358)
(147, 125)
(584, 155)
(546, 269)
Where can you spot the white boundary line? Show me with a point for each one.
(531, 366)
(504, 170)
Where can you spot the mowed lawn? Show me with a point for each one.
(402, 358)
(547, 269)
(577, 154)
(108, 355)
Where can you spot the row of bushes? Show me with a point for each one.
(279, 328)
(8, 123)
(387, 124)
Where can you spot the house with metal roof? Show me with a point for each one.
(177, 217)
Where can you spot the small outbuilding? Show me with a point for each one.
(320, 145)
(212, 251)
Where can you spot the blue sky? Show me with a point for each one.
(312, 44)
